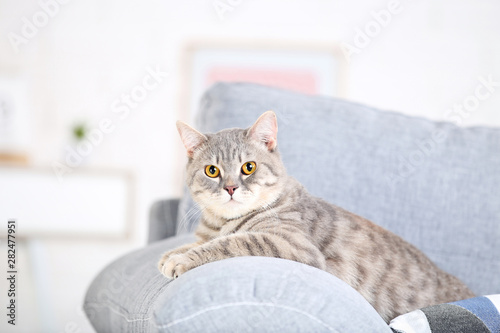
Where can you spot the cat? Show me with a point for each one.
(251, 207)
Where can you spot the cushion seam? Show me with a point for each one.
(117, 311)
(216, 307)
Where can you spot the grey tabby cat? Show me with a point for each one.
(251, 207)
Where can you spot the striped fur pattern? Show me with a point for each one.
(268, 213)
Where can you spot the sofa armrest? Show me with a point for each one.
(244, 294)
(163, 219)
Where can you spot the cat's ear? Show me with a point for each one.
(190, 137)
(265, 130)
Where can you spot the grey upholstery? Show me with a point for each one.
(162, 219)
(443, 195)
(440, 193)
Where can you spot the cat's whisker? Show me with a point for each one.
(185, 223)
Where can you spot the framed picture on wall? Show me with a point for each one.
(302, 67)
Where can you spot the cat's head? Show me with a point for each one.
(235, 171)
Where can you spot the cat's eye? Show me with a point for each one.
(248, 168)
(212, 171)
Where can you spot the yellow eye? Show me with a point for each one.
(248, 168)
(212, 171)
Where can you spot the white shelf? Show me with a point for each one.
(86, 203)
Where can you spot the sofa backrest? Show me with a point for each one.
(435, 184)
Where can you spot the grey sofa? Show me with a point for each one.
(433, 183)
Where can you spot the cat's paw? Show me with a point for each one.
(173, 266)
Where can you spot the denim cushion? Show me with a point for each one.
(122, 297)
(245, 294)
(435, 184)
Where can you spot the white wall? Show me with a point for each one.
(427, 58)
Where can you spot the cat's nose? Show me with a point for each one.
(230, 189)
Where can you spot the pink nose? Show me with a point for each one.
(230, 189)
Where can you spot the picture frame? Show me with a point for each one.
(310, 68)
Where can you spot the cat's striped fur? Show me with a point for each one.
(271, 214)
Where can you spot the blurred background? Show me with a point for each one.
(90, 92)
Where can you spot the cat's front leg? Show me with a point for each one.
(245, 244)
(179, 250)
(176, 265)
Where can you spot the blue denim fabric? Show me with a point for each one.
(245, 294)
